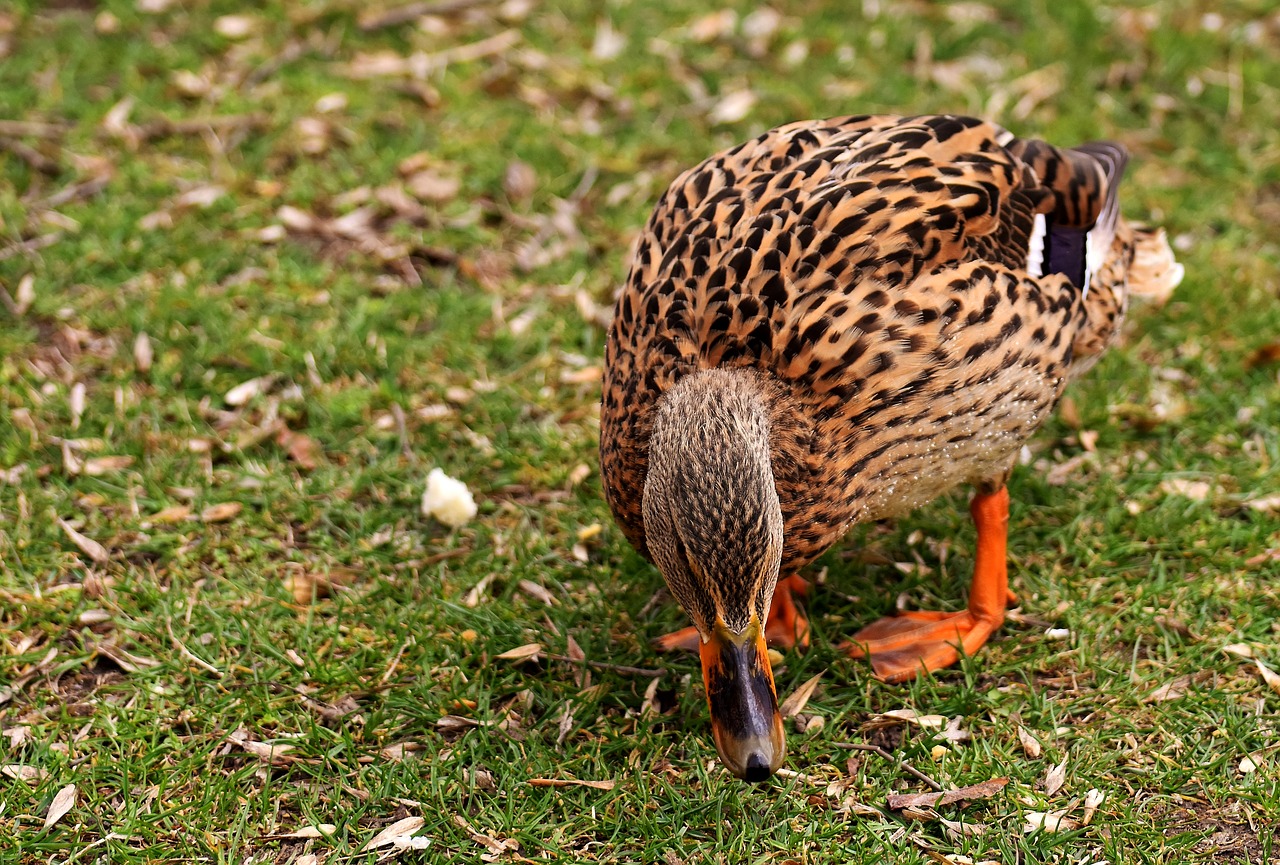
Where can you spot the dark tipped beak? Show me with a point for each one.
(744, 706)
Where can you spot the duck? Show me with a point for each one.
(837, 322)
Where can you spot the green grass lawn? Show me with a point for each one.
(224, 619)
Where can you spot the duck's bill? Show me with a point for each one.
(744, 705)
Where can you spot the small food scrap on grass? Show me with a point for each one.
(447, 499)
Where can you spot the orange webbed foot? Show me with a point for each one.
(902, 647)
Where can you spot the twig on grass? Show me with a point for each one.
(188, 654)
(413, 11)
(903, 764)
(30, 155)
(601, 665)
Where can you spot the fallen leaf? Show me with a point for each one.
(432, 186)
(1092, 800)
(608, 43)
(302, 449)
(235, 26)
(894, 717)
(1265, 504)
(62, 802)
(98, 466)
(571, 782)
(540, 593)
(308, 586)
(142, 353)
(521, 653)
(1263, 355)
(1170, 690)
(1269, 676)
(276, 755)
(799, 698)
(221, 512)
(400, 750)
(1048, 821)
(1196, 491)
(87, 545)
(1055, 778)
(32, 775)
(25, 294)
(392, 835)
(1240, 650)
(953, 732)
(171, 514)
(319, 830)
(715, 25)
(972, 793)
(732, 107)
(245, 391)
(1030, 744)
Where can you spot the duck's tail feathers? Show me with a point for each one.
(1154, 272)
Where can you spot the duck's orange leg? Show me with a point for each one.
(786, 626)
(901, 647)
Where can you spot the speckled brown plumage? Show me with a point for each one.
(870, 274)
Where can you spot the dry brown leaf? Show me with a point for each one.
(461, 722)
(276, 755)
(1263, 355)
(123, 658)
(1055, 778)
(571, 782)
(319, 830)
(1030, 744)
(302, 449)
(537, 592)
(221, 512)
(400, 750)
(1092, 800)
(799, 698)
(1049, 821)
(432, 186)
(526, 652)
(1265, 504)
(732, 107)
(1269, 676)
(1170, 690)
(98, 466)
(245, 391)
(519, 181)
(235, 26)
(32, 775)
(171, 514)
(308, 586)
(972, 793)
(87, 545)
(896, 717)
(63, 801)
(393, 834)
(25, 294)
(1197, 491)
(713, 26)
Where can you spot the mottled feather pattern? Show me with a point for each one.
(873, 271)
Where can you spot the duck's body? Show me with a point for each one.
(902, 300)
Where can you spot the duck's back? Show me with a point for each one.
(913, 291)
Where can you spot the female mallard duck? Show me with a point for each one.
(838, 322)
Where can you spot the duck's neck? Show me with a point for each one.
(710, 497)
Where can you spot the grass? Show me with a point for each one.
(326, 614)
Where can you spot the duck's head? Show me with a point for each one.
(714, 527)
